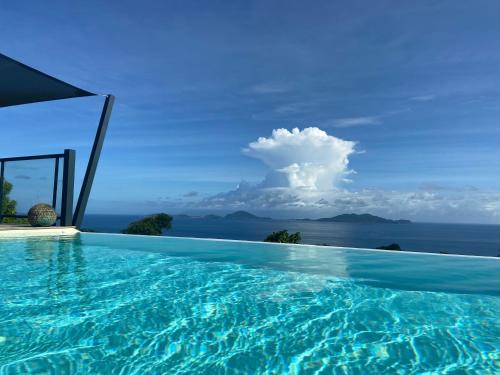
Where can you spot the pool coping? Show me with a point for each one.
(405, 252)
(9, 231)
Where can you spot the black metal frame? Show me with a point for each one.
(67, 216)
(95, 154)
(68, 181)
(68, 186)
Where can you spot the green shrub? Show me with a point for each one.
(9, 206)
(151, 225)
(283, 237)
(392, 246)
(88, 230)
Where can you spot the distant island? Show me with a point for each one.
(237, 215)
(362, 219)
(344, 218)
(244, 215)
(212, 217)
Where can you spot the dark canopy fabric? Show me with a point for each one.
(21, 84)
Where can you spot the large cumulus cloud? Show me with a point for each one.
(302, 159)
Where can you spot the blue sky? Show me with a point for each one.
(414, 84)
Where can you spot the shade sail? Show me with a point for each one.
(21, 84)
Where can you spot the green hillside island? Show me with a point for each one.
(244, 215)
(362, 219)
(344, 218)
(237, 215)
(212, 217)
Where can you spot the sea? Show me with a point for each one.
(469, 239)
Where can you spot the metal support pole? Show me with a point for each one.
(54, 186)
(2, 171)
(95, 154)
(68, 185)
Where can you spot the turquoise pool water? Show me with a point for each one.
(111, 304)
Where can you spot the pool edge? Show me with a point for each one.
(20, 231)
(301, 245)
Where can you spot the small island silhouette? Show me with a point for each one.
(362, 218)
(344, 218)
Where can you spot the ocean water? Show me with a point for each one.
(113, 304)
(468, 239)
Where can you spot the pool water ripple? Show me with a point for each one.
(76, 308)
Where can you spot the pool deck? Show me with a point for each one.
(13, 230)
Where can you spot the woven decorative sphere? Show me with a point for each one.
(42, 215)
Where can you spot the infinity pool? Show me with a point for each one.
(114, 304)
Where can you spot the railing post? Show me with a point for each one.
(2, 171)
(54, 186)
(68, 185)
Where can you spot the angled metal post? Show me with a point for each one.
(68, 186)
(2, 171)
(95, 154)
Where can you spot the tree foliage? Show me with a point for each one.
(151, 225)
(88, 230)
(8, 205)
(392, 246)
(284, 237)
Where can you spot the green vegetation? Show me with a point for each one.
(392, 246)
(88, 230)
(150, 225)
(283, 237)
(9, 205)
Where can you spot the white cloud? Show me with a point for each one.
(270, 88)
(289, 108)
(302, 159)
(307, 168)
(472, 206)
(423, 98)
(355, 121)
